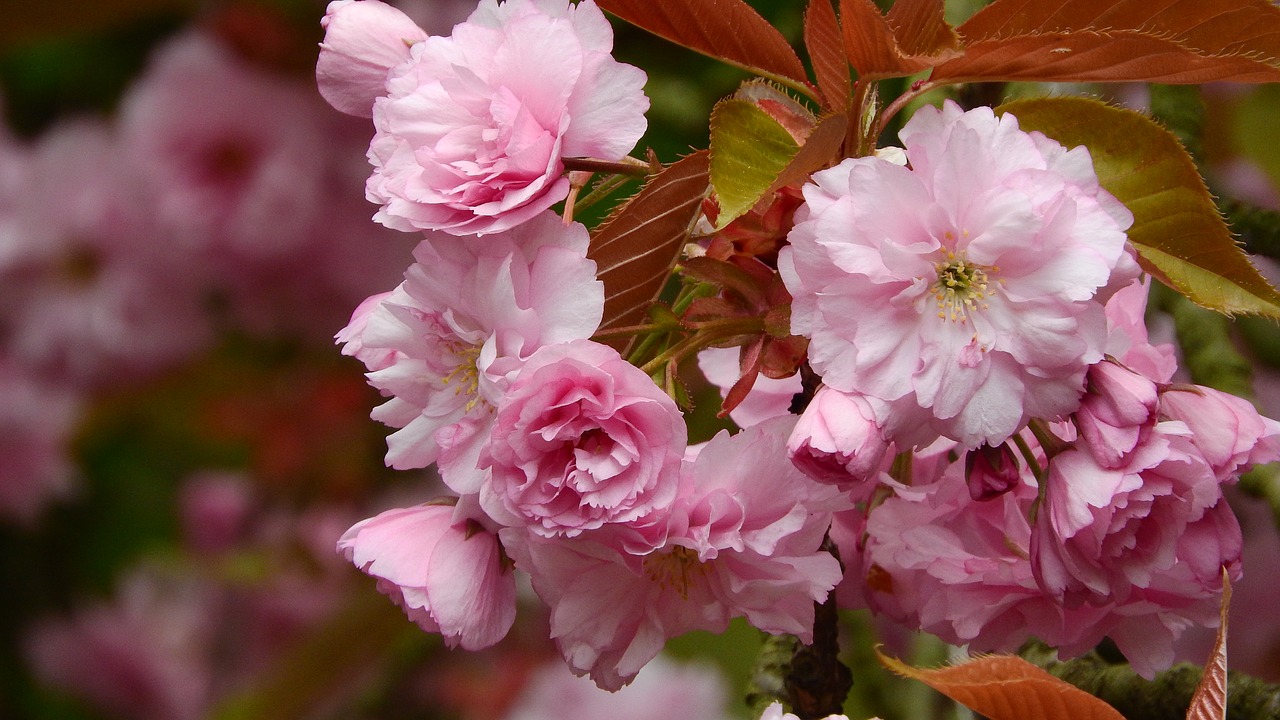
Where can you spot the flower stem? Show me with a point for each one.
(625, 166)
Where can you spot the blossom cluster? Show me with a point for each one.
(967, 403)
(216, 201)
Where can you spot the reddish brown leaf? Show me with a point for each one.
(921, 30)
(1098, 56)
(822, 39)
(1210, 699)
(1170, 41)
(728, 30)
(911, 39)
(821, 149)
(636, 248)
(1006, 687)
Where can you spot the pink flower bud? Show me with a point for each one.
(1118, 407)
(362, 41)
(838, 439)
(448, 575)
(991, 471)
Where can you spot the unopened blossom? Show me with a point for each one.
(838, 438)
(468, 314)
(581, 439)
(966, 290)
(363, 40)
(447, 573)
(1118, 409)
(991, 471)
(744, 541)
(473, 128)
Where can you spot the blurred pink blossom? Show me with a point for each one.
(91, 293)
(966, 290)
(663, 690)
(37, 420)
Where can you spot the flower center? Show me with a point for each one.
(674, 570)
(961, 287)
(465, 376)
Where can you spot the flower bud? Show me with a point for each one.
(362, 41)
(838, 439)
(991, 471)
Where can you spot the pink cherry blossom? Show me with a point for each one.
(665, 689)
(838, 438)
(775, 712)
(444, 344)
(745, 541)
(937, 560)
(472, 129)
(92, 293)
(363, 40)
(966, 290)
(37, 420)
(1102, 532)
(236, 158)
(581, 439)
(447, 573)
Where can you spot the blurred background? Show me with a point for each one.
(182, 231)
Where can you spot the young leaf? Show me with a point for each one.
(821, 149)
(749, 149)
(636, 248)
(822, 39)
(727, 30)
(1171, 41)
(912, 38)
(1006, 687)
(1177, 232)
(1210, 699)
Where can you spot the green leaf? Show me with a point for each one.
(1177, 231)
(749, 150)
(636, 248)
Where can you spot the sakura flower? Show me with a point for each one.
(228, 150)
(472, 129)
(140, 656)
(447, 573)
(745, 541)
(966, 290)
(468, 314)
(582, 439)
(1102, 531)
(36, 423)
(775, 712)
(664, 689)
(91, 293)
